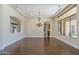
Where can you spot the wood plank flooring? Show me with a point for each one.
(40, 46)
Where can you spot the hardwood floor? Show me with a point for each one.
(40, 46)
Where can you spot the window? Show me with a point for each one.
(67, 26)
(60, 27)
(15, 25)
(73, 29)
(67, 22)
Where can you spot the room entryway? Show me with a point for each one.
(47, 30)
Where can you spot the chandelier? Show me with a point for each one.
(39, 24)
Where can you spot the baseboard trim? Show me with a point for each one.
(11, 43)
(71, 44)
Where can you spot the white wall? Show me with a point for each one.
(8, 37)
(0, 27)
(33, 30)
(78, 22)
(68, 40)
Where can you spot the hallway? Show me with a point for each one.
(40, 46)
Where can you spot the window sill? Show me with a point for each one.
(67, 36)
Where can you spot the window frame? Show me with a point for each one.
(63, 32)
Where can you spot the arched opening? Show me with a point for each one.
(47, 30)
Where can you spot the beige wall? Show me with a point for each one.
(33, 30)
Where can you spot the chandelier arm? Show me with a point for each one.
(39, 24)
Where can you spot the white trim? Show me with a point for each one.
(17, 10)
(65, 9)
(11, 43)
(75, 45)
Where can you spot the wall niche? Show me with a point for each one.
(15, 24)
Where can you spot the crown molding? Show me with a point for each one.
(18, 10)
(64, 10)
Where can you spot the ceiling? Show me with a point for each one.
(46, 10)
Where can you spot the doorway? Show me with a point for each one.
(46, 30)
